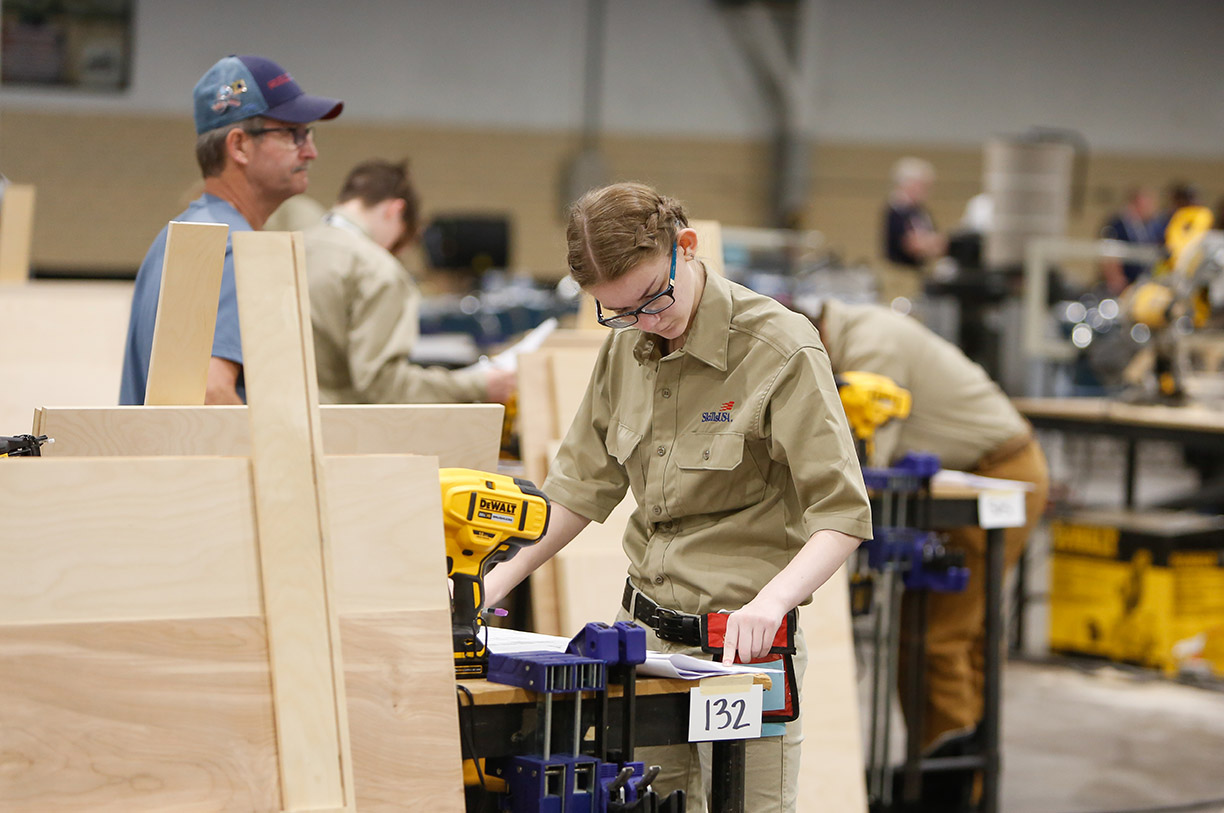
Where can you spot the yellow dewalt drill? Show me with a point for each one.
(487, 518)
(870, 401)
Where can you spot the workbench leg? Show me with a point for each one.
(1131, 463)
(915, 697)
(729, 759)
(993, 672)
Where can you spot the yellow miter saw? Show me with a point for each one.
(1184, 295)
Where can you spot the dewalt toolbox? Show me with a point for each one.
(1143, 587)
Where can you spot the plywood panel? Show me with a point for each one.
(465, 435)
(186, 313)
(402, 711)
(16, 232)
(60, 343)
(101, 539)
(204, 739)
(154, 713)
(137, 716)
(710, 245)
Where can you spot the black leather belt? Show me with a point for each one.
(670, 625)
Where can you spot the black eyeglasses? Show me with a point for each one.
(656, 304)
(300, 135)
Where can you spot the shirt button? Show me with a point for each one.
(705, 455)
(657, 510)
(660, 451)
(659, 580)
(667, 393)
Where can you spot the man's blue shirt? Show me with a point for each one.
(227, 343)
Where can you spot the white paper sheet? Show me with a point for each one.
(948, 477)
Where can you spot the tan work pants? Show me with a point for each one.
(955, 621)
(771, 777)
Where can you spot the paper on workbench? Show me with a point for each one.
(949, 477)
(508, 358)
(658, 664)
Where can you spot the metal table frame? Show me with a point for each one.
(506, 729)
(954, 512)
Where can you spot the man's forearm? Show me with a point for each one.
(222, 386)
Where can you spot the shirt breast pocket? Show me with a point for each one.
(716, 473)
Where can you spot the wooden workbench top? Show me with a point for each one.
(485, 693)
(1106, 410)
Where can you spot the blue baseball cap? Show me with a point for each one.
(240, 87)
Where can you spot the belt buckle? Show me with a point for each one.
(676, 626)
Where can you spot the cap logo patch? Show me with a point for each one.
(276, 82)
(723, 415)
(228, 96)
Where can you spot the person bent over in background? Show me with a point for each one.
(363, 302)
(961, 415)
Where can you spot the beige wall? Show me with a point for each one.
(106, 184)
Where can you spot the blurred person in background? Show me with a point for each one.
(364, 303)
(911, 241)
(958, 413)
(1180, 194)
(1137, 223)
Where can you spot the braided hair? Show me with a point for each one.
(612, 230)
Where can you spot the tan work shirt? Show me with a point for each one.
(957, 412)
(363, 308)
(735, 446)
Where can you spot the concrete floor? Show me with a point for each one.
(1094, 737)
(1077, 740)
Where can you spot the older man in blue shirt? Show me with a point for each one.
(254, 147)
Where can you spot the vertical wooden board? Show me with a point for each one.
(400, 683)
(395, 630)
(831, 767)
(591, 571)
(186, 313)
(710, 244)
(16, 232)
(536, 414)
(571, 373)
(315, 436)
(286, 446)
(388, 547)
(537, 428)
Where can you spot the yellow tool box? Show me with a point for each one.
(1143, 587)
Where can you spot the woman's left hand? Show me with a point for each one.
(751, 630)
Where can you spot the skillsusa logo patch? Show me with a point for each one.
(723, 415)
